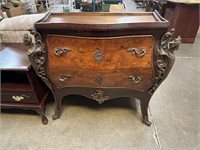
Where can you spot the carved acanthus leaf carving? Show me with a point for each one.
(99, 96)
(166, 58)
(36, 54)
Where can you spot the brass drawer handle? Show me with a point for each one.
(63, 77)
(61, 51)
(136, 52)
(17, 98)
(135, 79)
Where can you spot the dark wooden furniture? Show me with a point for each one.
(184, 18)
(20, 86)
(159, 5)
(102, 55)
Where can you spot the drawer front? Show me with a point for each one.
(18, 97)
(137, 78)
(100, 53)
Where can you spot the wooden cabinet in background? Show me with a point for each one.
(184, 18)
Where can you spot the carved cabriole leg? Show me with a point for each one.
(144, 104)
(58, 103)
(40, 111)
(164, 63)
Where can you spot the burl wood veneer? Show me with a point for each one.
(102, 55)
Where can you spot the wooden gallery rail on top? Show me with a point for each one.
(102, 55)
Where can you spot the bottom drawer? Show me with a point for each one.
(137, 78)
(18, 97)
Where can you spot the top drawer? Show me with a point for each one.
(100, 53)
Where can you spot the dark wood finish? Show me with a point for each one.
(98, 21)
(98, 55)
(20, 86)
(15, 54)
(184, 18)
(158, 5)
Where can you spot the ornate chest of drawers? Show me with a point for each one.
(102, 55)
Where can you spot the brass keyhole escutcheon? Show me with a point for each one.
(98, 55)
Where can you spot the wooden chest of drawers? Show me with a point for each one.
(102, 55)
(108, 62)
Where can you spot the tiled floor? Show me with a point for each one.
(116, 125)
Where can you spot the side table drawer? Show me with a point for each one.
(18, 97)
(137, 78)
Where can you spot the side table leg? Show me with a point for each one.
(41, 113)
(58, 102)
(144, 108)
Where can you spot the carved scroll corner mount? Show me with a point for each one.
(36, 54)
(37, 45)
(153, 88)
(174, 44)
(166, 58)
(169, 44)
(99, 96)
(27, 40)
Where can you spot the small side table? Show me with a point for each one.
(20, 86)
